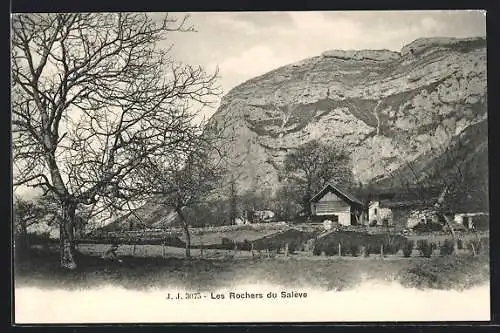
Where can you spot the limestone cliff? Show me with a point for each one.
(385, 108)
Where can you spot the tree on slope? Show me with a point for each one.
(452, 172)
(93, 96)
(312, 165)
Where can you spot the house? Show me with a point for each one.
(241, 221)
(263, 215)
(404, 208)
(411, 206)
(338, 206)
(471, 208)
(379, 214)
(469, 220)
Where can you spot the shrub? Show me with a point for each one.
(316, 251)
(294, 238)
(40, 238)
(354, 249)
(446, 248)
(475, 245)
(482, 222)
(391, 248)
(371, 249)
(428, 227)
(445, 272)
(371, 242)
(332, 250)
(245, 245)
(174, 241)
(485, 244)
(408, 248)
(425, 247)
(226, 241)
(366, 251)
(460, 244)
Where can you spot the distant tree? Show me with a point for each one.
(233, 201)
(313, 165)
(93, 96)
(287, 202)
(26, 214)
(44, 211)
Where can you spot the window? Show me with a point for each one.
(375, 211)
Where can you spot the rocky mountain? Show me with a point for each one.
(388, 110)
(414, 116)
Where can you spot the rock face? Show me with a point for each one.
(386, 109)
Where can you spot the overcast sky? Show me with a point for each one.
(247, 44)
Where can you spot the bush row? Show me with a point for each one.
(357, 244)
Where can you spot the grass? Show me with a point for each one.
(447, 272)
(451, 272)
(236, 235)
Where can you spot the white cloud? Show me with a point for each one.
(252, 62)
(231, 23)
(429, 24)
(315, 24)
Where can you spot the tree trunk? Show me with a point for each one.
(307, 201)
(22, 244)
(452, 231)
(185, 226)
(440, 214)
(67, 238)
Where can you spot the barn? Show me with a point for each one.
(404, 208)
(338, 206)
(408, 207)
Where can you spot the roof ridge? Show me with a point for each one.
(342, 191)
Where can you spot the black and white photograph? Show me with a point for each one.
(250, 167)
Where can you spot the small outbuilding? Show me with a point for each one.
(338, 206)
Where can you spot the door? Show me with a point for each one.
(354, 220)
(466, 221)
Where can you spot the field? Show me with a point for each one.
(334, 273)
(155, 265)
(440, 237)
(264, 239)
(236, 235)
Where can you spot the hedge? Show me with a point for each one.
(349, 240)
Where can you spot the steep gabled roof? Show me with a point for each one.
(335, 189)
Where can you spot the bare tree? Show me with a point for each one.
(449, 172)
(92, 97)
(314, 164)
(233, 201)
(188, 179)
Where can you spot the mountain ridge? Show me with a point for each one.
(379, 105)
(387, 109)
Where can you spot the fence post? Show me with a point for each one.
(163, 250)
(382, 250)
(473, 249)
(340, 250)
(286, 250)
(251, 250)
(133, 250)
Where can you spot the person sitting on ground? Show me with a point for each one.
(110, 254)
